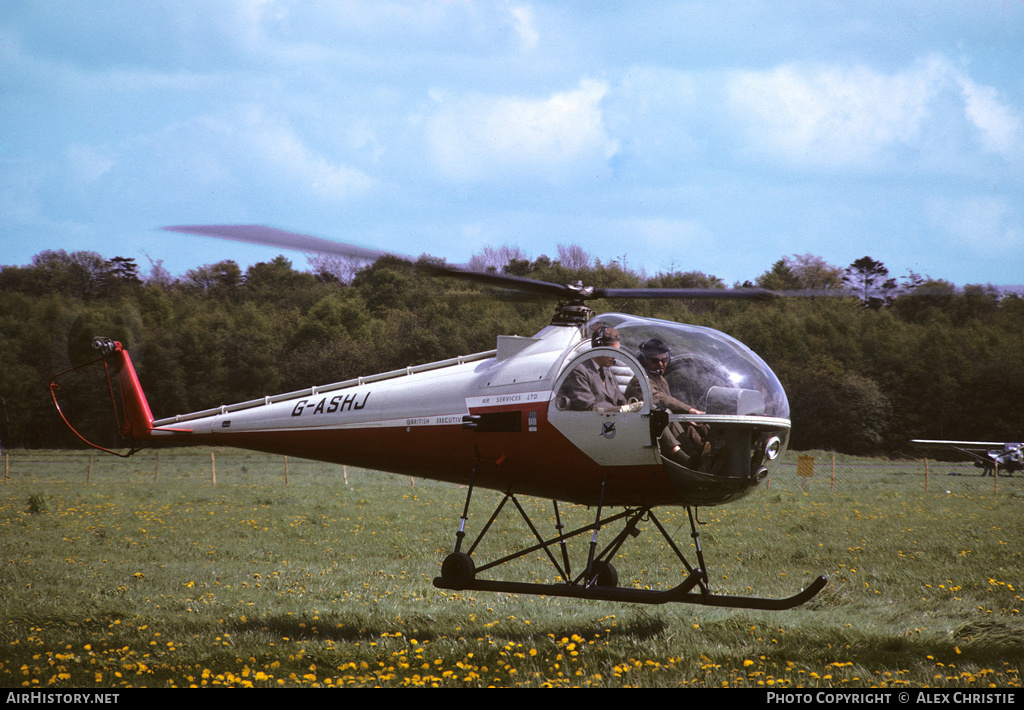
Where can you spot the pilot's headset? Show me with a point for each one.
(604, 335)
(653, 346)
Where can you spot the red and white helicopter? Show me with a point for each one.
(506, 420)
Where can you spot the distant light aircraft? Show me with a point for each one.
(989, 456)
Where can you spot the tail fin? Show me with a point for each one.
(132, 414)
(137, 419)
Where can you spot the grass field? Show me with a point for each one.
(130, 572)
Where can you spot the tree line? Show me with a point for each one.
(884, 362)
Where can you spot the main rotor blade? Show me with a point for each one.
(580, 292)
(570, 291)
(695, 293)
(507, 281)
(270, 236)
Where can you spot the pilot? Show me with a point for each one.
(591, 386)
(684, 443)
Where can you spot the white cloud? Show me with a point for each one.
(485, 137)
(656, 112)
(240, 162)
(87, 164)
(999, 125)
(985, 225)
(857, 117)
(524, 26)
(277, 146)
(831, 115)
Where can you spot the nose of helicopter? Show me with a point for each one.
(734, 459)
(722, 420)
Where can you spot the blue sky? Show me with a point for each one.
(709, 136)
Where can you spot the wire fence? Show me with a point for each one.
(818, 472)
(831, 472)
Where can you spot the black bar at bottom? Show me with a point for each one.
(680, 593)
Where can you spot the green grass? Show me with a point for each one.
(122, 573)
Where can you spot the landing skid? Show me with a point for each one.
(598, 581)
(680, 593)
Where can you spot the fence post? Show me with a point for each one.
(213, 465)
(286, 470)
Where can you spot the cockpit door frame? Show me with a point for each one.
(609, 438)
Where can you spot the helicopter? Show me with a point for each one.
(992, 457)
(511, 420)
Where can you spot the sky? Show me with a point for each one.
(716, 136)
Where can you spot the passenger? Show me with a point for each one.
(591, 386)
(685, 443)
(654, 356)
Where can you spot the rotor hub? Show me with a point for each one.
(571, 313)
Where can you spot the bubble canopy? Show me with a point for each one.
(705, 363)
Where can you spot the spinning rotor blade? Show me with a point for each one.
(507, 281)
(741, 293)
(585, 293)
(270, 236)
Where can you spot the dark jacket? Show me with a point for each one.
(591, 388)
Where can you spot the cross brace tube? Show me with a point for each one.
(598, 581)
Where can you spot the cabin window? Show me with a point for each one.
(595, 385)
(706, 370)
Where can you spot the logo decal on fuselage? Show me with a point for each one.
(608, 430)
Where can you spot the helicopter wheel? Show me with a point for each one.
(458, 570)
(608, 576)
